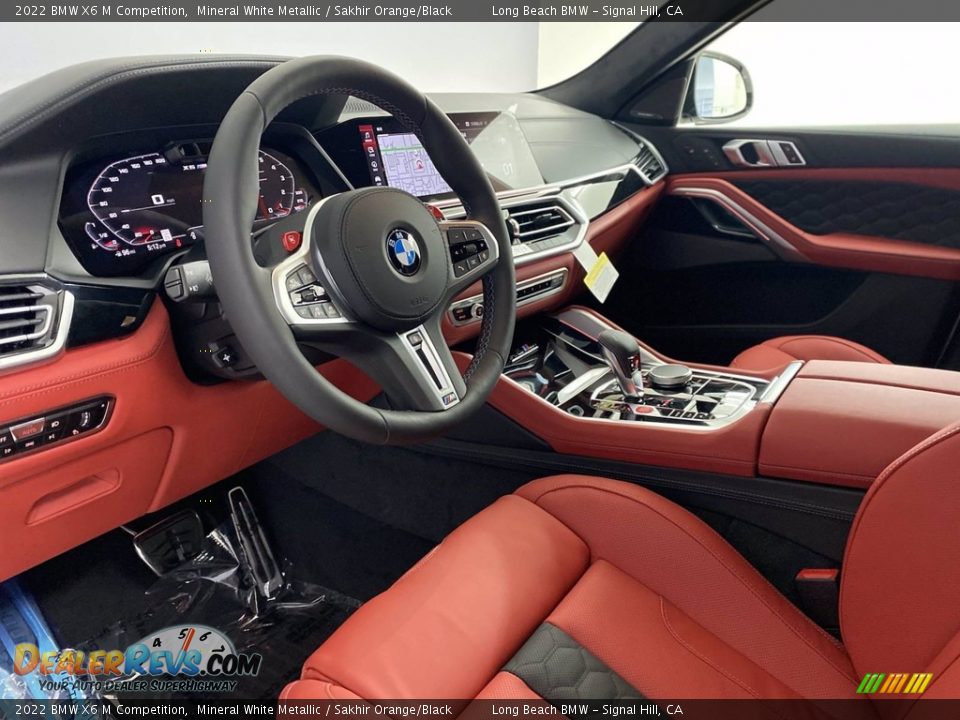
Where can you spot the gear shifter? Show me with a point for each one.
(622, 353)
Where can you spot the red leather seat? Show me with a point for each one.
(577, 587)
(778, 352)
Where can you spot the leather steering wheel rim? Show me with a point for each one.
(230, 203)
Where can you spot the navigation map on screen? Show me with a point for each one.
(396, 158)
(408, 167)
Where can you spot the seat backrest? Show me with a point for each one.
(900, 591)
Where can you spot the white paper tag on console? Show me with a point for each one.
(601, 274)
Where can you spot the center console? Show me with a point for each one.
(586, 368)
(590, 390)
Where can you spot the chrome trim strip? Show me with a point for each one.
(776, 242)
(569, 392)
(780, 382)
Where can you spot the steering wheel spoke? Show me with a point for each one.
(417, 370)
(474, 251)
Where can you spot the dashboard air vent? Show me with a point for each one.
(539, 221)
(28, 319)
(649, 163)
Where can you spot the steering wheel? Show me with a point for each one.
(374, 271)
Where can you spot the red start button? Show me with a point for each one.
(291, 240)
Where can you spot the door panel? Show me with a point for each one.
(731, 257)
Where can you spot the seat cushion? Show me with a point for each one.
(776, 353)
(576, 587)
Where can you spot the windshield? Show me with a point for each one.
(434, 56)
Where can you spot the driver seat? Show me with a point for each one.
(578, 587)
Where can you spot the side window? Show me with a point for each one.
(849, 74)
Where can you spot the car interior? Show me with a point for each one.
(371, 333)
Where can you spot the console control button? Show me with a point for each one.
(28, 428)
(29, 444)
(227, 356)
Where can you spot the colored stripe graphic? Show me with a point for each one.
(894, 683)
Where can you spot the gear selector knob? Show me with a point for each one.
(622, 353)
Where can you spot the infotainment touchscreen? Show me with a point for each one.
(396, 158)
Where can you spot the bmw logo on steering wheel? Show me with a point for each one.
(403, 251)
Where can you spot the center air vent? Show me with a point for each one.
(649, 163)
(29, 322)
(541, 221)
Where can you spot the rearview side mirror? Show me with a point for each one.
(719, 89)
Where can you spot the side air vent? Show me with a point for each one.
(649, 163)
(31, 325)
(544, 220)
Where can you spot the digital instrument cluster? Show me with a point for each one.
(120, 214)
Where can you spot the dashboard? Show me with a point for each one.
(100, 205)
(122, 211)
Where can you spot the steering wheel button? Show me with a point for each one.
(330, 310)
(306, 276)
(303, 311)
(473, 234)
(292, 282)
(473, 262)
(291, 240)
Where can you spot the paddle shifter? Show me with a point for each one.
(622, 353)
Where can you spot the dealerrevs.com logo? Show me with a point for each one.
(187, 658)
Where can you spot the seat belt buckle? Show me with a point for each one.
(819, 592)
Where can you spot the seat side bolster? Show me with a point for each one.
(445, 629)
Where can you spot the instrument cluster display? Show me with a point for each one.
(119, 215)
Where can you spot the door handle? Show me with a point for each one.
(754, 152)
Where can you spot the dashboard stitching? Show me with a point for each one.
(26, 120)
